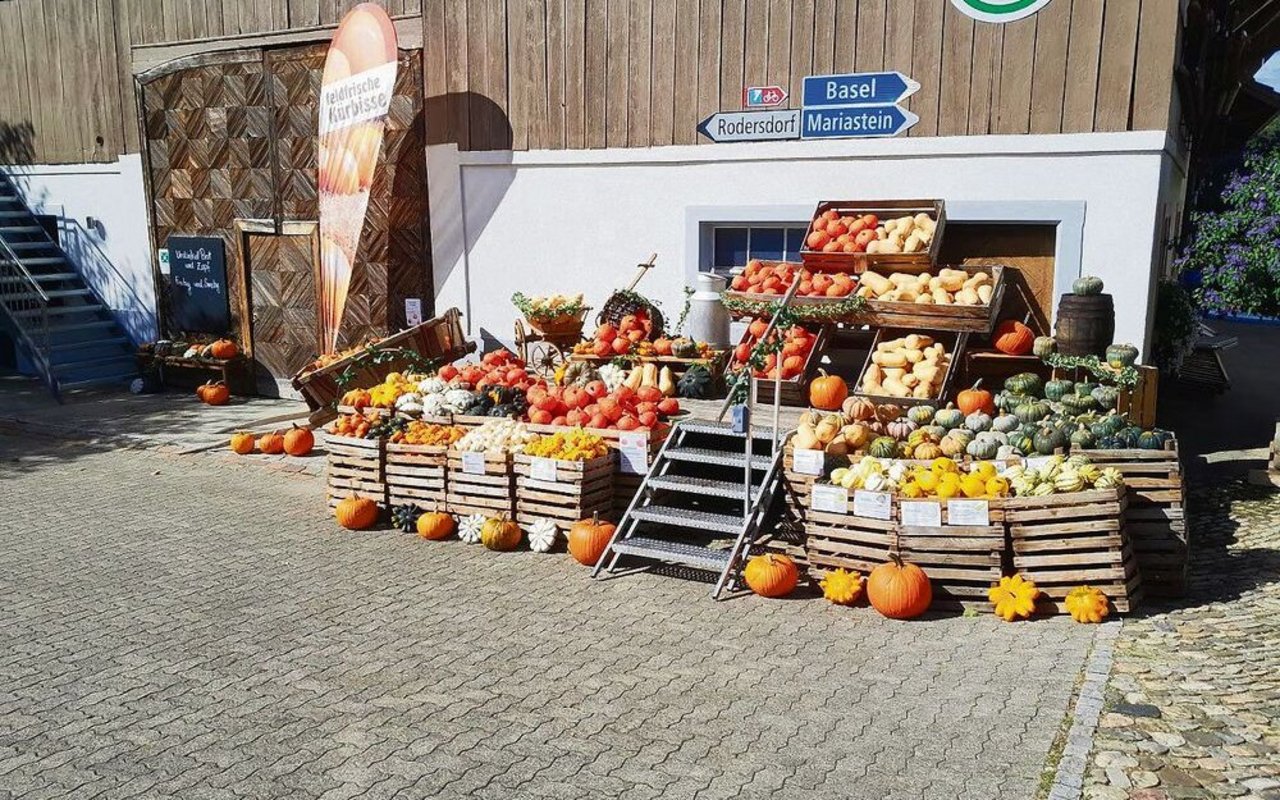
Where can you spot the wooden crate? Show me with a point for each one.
(1155, 519)
(1065, 540)
(937, 316)
(581, 488)
(491, 493)
(962, 561)
(354, 466)
(625, 484)
(885, 210)
(795, 391)
(844, 541)
(954, 342)
(417, 474)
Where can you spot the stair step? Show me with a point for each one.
(87, 382)
(31, 245)
(52, 294)
(34, 313)
(4, 229)
(68, 366)
(41, 261)
(108, 342)
(688, 518)
(703, 486)
(723, 429)
(82, 326)
(46, 277)
(673, 552)
(13, 214)
(721, 458)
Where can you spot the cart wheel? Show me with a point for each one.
(544, 358)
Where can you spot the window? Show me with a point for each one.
(734, 245)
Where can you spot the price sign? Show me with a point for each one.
(809, 462)
(1036, 462)
(543, 469)
(872, 505)
(832, 499)
(926, 514)
(633, 453)
(473, 463)
(968, 512)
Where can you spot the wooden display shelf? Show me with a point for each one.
(236, 373)
(417, 474)
(354, 466)
(954, 342)
(962, 561)
(580, 489)
(885, 210)
(994, 367)
(795, 391)
(843, 541)
(490, 493)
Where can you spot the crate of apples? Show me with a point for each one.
(775, 277)
(594, 406)
(789, 363)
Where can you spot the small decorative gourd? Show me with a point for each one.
(900, 428)
(469, 528)
(1087, 604)
(949, 417)
(1056, 389)
(841, 587)
(922, 414)
(542, 535)
(884, 447)
(1005, 423)
(978, 421)
(1106, 397)
(1043, 346)
(405, 517)
(1014, 598)
(1087, 285)
(1120, 356)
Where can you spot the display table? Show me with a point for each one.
(181, 371)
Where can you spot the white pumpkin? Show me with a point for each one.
(469, 528)
(542, 535)
(432, 386)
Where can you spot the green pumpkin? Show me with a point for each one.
(1106, 396)
(978, 422)
(934, 431)
(1112, 424)
(1047, 440)
(1043, 346)
(983, 449)
(1031, 411)
(684, 347)
(1128, 438)
(1005, 423)
(1077, 403)
(949, 417)
(884, 447)
(1023, 442)
(960, 434)
(1007, 401)
(1087, 285)
(1026, 383)
(1086, 387)
(1110, 443)
(1054, 390)
(921, 415)
(695, 382)
(1083, 438)
(1150, 440)
(1120, 356)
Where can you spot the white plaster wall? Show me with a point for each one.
(113, 252)
(570, 221)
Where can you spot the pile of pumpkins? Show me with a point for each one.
(1062, 414)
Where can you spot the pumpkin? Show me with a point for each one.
(242, 442)
(271, 443)
(1014, 598)
(214, 394)
(953, 446)
(884, 447)
(1077, 403)
(1047, 440)
(900, 428)
(224, 349)
(359, 399)
(1121, 355)
(983, 449)
(1025, 383)
(857, 435)
(1087, 285)
(684, 347)
(435, 525)
(927, 451)
(542, 535)
(978, 421)
(500, 533)
(858, 409)
(771, 575)
(1087, 604)
(469, 528)
(1151, 440)
(841, 587)
(405, 517)
(1056, 389)
(695, 382)
(1043, 346)
(1106, 397)
(588, 539)
(1013, 338)
(299, 441)
(1005, 423)
(356, 513)
(949, 417)
(1031, 411)
(828, 392)
(888, 412)
(899, 590)
(1083, 439)
(975, 398)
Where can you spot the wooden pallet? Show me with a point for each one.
(354, 466)
(491, 493)
(626, 481)
(1065, 540)
(844, 541)
(962, 561)
(580, 489)
(417, 474)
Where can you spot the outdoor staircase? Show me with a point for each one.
(54, 317)
(701, 505)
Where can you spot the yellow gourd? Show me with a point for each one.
(841, 587)
(1014, 598)
(1087, 604)
(666, 382)
(997, 487)
(973, 485)
(649, 375)
(948, 485)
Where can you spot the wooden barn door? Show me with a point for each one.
(282, 269)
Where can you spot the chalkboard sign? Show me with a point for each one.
(198, 285)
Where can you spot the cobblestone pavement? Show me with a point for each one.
(179, 627)
(1193, 705)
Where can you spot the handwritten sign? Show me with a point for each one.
(473, 463)
(925, 514)
(633, 453)
(1036, 462)
(968, 512)
(543, 469)
(198, 285)
(809, 462)
(872, 505)
(831, 499)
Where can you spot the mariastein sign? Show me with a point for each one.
(999, 10)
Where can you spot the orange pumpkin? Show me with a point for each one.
(242, 443)
(1013, 338)
(215, 394)
(356, 513)
(299, 441)
(899, 590)
(588, 539)
(271, 443)
(771, 575)
(359, 399)
(975, 398)
(435, 525)
(859, 409)
(224, 349)
(827, 392)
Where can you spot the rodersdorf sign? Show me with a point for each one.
(999, 10)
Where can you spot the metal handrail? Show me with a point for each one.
(31, 281)
(39, 351)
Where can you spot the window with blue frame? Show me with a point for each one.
(733, 246)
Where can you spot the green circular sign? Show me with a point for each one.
(999, 10)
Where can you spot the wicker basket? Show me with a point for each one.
(621, 304)
(561, 325)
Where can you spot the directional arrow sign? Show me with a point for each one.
(861, 88)
(855, 122)
(751, 126)
(763, 96)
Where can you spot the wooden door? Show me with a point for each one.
(286, 330)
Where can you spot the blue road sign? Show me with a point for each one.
(853, 89)
(855, 122)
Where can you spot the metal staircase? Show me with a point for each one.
(707, 493)
(54, 317)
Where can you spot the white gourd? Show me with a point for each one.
(469, 528)
(542, 535)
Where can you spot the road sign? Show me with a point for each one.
(855, 121)
(999, 10)
(857, 89)
(763, 96)
(751, 126)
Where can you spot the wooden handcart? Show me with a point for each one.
(545, 344)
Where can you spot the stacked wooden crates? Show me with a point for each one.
(480, 483)
(417, 475)
(963, 561)
(354, 467)
(563, 491)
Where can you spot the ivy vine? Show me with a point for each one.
(786, 318)
(837, 311)
(374, 355)
(684, 311)
(1125, 377)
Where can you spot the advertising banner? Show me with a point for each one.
(355, 95)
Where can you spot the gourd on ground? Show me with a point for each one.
(899, 590)
(841, 587)
(1014, 598)
(771, 575)
(356, 513)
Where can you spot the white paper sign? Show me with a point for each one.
(633, 453)
(832, 499)
(925, 514)
(968, 512)
(633, 441)
(412, 311)
(809, 462)
(543, 469)
(872, 505)
(1036, 462)
(473, 463)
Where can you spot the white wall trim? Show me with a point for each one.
(31, 170)
(921, 147)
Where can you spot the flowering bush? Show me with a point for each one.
(1235, 248)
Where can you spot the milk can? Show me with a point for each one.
(708, 318)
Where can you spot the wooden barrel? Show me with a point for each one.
(1086, 324)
